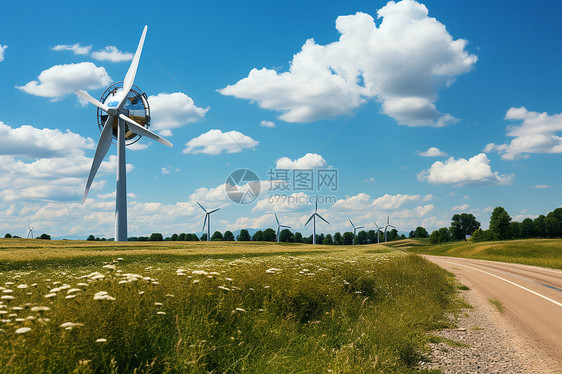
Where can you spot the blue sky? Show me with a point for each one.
(425, 109)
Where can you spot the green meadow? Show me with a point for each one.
(183, 307)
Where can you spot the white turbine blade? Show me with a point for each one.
(139, 130)
(316, 205)
(309, 219)
(351, 223)
(86, 96)
(319, 216)
(103, 146)
(205, 210)
(391, 226)
(130, 77)
(285, 226)
(204, 221)
(275, 214)
(359, 227)
(212, 211)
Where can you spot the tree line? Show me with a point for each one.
(501, 227)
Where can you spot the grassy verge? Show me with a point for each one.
(538, 252)
(497, 304)
(343, 311)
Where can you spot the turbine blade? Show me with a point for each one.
(212, 211)
(204, 222)
(86, 96)
(309, 219)
(316, 205)
(130, 77)
(205, 210)
(360, 227)
(275, 214)
(319, 216)
(285, 226)
(352, 224)
(103, 146)
(139, 130)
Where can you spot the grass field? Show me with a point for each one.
(74, 306)
(538, 252)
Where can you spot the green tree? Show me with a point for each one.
(91, 238)
(347, 238)
(181, 237)
(421, 232)
(269, 235)
(298, 237)
(8, 236)
(462, 225)
(174, 237)
(515, 230)
(328, 240)
(244, 236)
(361, 237)
(371, 236)
(557, 213)
(539, 226)
(44, 236)
(551, 227)
(412, 234)
(204, 237)
(258, 236)
(217, 236)
(194, 238)
(527, 228)
(156, 237)
(392, 235)
(228, 236)
(499, 223)
(319, 238)
(338, 239)
(286, 236)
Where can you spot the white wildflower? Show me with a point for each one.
(199, 272)
(23, 330)
(273, 271)
(224, 288)
(70, 325)
(161, 313)
(101, 340)
(49, 295)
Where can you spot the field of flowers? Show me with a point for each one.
(208, 309)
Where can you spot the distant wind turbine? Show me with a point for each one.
(355, 228)
(279, 227)
(30, 232)
(387, 226)
(313, 218)
(207, 220)
(378, 233)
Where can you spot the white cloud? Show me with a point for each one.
(542, 186)
(265, 123)
(329, 80)
(476, 170)
(111, 53)
(357, 202)
(77, 49)
(393, 201)
(433, 152)
(61, 80)
(459, 208)
(369, 180)
(166, 170)
(171, 111)
(537, 134)
(2, 51)
(290, 202)
(215, 142)
(308, 161)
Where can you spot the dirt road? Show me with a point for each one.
(531, 297)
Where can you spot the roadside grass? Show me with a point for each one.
(497, 304)
(243, 309)
(537, 252)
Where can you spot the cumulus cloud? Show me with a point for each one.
(536, 134)
(214, 142)
(2, 51)
(329, 80)
(77, 49)
(393, 201)
(265, 123)
(111, 53)
(476, 170)
(433, 152)
(171, 111)
(460, 208)
(308, 161)
(541, 186)
(61, 80)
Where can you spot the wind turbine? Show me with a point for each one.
(387, 226)
(207, 220)
(313, 218)
(378, 233)
(121, 105)
(355, 228)
(30, 232)
(279, 227)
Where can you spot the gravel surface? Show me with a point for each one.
(488, 344)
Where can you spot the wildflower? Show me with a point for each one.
(49, 295)
(224, 288)
(229, 279)
(199, 272)
(161, 313)
(119, 258)
(196, 281)
(7, 291)
(169, 295)
(141, 292)
(214, 273)
(101, 340)
(70, 325)
(273, 271)
(110, 267)
(22, 286)
(71, 296)
(7, 297)
(82, 284)
(73, 290)
(240, 310)
(103, 295)
(158, 304)
(23, 330)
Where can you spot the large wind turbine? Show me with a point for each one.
(313, 218)
(279, 227)
(355, 228)
(378, 233)
(207, 220)
(30, 232)
(387, 226)
(119, 124)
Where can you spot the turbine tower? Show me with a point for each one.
(279, 227)
(387, 226)
(313, 218)
(120, 108)
(207, 220)
(378, 233)
(355, 228)
(30, 232)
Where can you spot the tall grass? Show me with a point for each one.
(344, 312)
